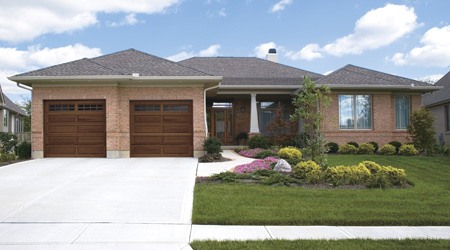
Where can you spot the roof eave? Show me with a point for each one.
(381, 87)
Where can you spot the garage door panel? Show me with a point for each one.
(161, 128)
(156, 119)
(52, 129)
(62, 118)
(62, 140)
(146, 140)
(100, 118)
(90, 140)
(75, 128)
(176, 119)
(177, 140)
(91, 129)
(151, 128)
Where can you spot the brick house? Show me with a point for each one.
(438, 103)
(132, 104)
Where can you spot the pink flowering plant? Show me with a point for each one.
(256, 165)
(257, 153)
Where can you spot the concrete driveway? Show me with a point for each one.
(72, 203)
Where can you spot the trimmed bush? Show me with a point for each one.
(366, 149)
(212, 145)
(396, 144)
(347, 149)
(408, 150)
(278, 179)
(265, 153)
(387, 149)
(23, 150)
(345, 175)
(290, 153)
(372, 166)
(258, 141)
(332, 147)
(308, 170)
(375, 145)
(387, 177)
(354, 144)
(5, 157)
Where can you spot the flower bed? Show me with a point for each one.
(256, 165)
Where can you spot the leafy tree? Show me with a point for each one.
(308, 103)
(421, 130)
(26, 106)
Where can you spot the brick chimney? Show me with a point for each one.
(272, 55)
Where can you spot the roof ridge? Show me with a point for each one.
(101, 65)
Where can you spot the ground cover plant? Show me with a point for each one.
(323, 244)
(427, 203)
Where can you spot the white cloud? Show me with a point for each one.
(14, 61)
(308, 53)
(434, 52)
(222, 12)
(262, 49)
(21, 21)
(377, 28)
(430, 78)
(128, 20)
(212, 50)
(280, 6)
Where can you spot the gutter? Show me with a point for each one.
(24, 86)
(204, 106)
(109, 77)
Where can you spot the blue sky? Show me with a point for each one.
(409, 38)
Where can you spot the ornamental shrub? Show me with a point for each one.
(408, 150)
(366, 149)
(375, 145)
(8, 141)
(396, 144)
(225, 177)
(387, 177)
(290, 153)
(347, 149)
(212, 145)
(344, 175)
(258, 141)
(265, 153)
(278, 179)
(387, 149)
(354, 144)
(251, 153)
(308, 170)
(422, 130)
(23, 150)
(372, 166)
(332, 147)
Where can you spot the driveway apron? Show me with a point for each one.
(80, 200)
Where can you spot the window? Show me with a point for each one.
(402, 111)
(267, 112)
(5, 118)
(447, 116)
(176, 108)
(355, 112)
(62, 107)
(148, 108)
(90, 107)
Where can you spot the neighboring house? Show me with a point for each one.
(438, 103)
(12, 115)
(132, 104)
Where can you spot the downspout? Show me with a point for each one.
(24, 87)
(204, 106)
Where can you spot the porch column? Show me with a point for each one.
(254, 126)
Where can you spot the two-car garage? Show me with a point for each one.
(77, 128)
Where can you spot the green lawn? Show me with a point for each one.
(322, 244)
(427, 203)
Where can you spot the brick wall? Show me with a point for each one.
(383, 123)
(117, 110)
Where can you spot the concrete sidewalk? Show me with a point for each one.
(208, 169)
(221, 233)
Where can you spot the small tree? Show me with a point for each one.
(421, 130)
(308, 103)
(26, 106)
(280, 128)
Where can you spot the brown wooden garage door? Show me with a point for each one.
(161, 128)
(75, 128)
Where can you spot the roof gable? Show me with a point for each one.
(358, 76)
(120, 63)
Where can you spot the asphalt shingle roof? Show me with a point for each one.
(12, 106)
(353, 75)
(249, 70)
(124, 62)
(440, 96)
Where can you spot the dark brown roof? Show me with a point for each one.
(441, 96)
(358, 76)
(124, 62)
(249, 70)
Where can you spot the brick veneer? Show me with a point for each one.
(117, 111)
(383, 123)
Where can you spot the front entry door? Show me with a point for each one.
(223, 125)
